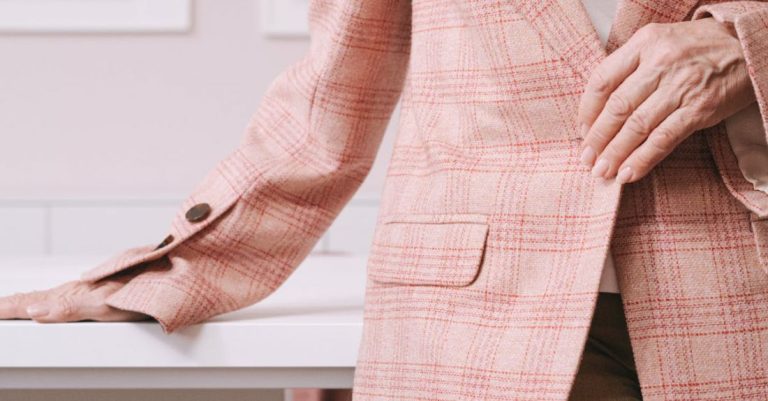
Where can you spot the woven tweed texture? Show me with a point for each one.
(491, 236)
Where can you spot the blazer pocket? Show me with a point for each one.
(759, 226)
(428, 250)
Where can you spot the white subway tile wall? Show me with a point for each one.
(102, 149)
(69, 227)
(23, 230)
(89, 228)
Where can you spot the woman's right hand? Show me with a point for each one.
(69, 302)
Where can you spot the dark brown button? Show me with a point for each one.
(198, 212)
(165, 242)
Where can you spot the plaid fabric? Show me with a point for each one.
(485, 266)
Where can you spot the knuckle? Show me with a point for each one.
(647, 33)
(651, 27)
(666, 52)
(618, 106)
(66, 306)
(662, 140)
(653, 30)
(696, 79)
(598, 138)
(638, 124)
(598, 81)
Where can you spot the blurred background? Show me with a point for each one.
(112, 111)
(109, 119)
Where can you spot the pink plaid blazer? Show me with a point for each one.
(491, 237)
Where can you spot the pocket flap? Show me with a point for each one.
(447, 253)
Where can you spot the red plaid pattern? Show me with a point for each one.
(486, 261)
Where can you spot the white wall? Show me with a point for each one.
(104, 134)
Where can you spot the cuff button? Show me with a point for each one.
(198, 212)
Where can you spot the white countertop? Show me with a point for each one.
(313, 321)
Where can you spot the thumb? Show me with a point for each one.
(38, 310)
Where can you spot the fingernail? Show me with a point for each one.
(584, 129)
(624, 175)
(37, 310)
(600, 168)
(587, 156)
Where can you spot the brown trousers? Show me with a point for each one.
(607, 369)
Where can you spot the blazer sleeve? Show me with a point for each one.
(311, 142)
(750, 22)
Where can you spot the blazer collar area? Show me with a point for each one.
(566, 27)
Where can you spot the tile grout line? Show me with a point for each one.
(332, 240)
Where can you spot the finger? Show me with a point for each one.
(660, 143)
(83, 302)
(605, 78)
(60, 308)
(619, 107)
(638, 127)
(14, 306)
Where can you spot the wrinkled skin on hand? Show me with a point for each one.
(70, 302)
(665, 83)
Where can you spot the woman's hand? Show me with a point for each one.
(663, 84)
(70, 302)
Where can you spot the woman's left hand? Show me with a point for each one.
(666, 82)
(72, 301)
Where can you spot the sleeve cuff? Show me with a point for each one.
(749, 20)
(174, 300)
